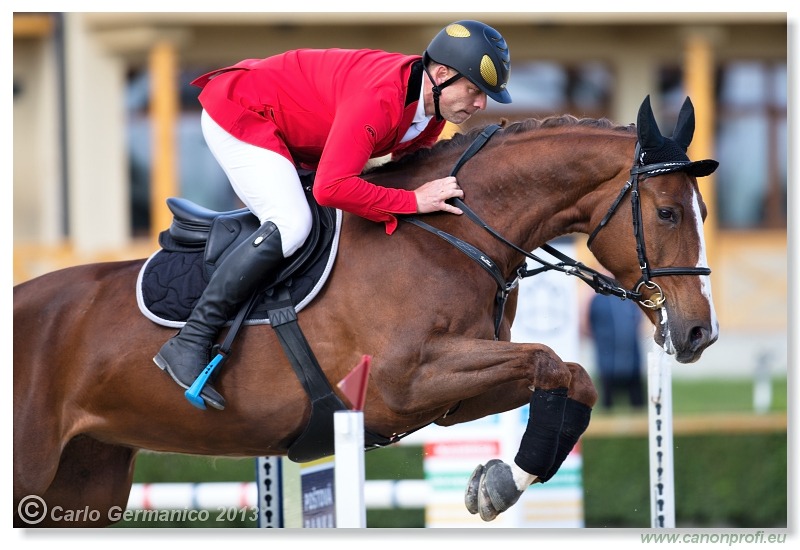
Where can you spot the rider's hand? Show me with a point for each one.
(431, 196)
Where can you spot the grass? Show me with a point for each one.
(714, 396)
(695, 397)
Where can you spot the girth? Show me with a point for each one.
(317, 440)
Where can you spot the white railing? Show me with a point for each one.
(378, 494)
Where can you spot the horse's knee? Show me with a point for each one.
(550, 371)
(581, 387)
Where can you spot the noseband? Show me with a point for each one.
(657, 298)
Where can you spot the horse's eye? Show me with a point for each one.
(666, 214)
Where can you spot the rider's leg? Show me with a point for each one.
(268, 184)
(265, 181)
(185, 355)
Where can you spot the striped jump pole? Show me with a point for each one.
(662, 478)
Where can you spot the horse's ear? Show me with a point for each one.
(684, 128)
(649, 135)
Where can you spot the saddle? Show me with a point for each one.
(198, 240)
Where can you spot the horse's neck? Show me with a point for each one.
(532, 195)
(528, 190)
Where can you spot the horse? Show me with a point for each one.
(87, 396)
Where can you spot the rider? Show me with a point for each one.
(330, 110)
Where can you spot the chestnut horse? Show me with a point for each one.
(87, 395)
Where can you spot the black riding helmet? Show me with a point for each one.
(477, 52)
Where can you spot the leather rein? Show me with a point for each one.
(602, 284)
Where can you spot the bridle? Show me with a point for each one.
(602, 284)
(638, 170)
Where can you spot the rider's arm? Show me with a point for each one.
(361, 128)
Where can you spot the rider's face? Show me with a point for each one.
(460, 100)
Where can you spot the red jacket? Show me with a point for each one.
(331, 110)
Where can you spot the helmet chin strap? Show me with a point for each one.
(437, 90)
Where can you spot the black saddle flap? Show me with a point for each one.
(226, 232)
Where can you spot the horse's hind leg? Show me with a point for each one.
(90, 489)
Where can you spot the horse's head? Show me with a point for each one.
(663, 260)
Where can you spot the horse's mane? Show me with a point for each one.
(461, 140)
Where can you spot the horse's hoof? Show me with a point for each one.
(485, 508)
(471, 494)
(497, 491)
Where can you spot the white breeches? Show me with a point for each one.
(266, 182)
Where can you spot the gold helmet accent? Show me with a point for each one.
(488, 72)
(457, 30)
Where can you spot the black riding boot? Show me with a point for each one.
(185, 355)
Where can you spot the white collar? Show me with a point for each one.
(420, 120)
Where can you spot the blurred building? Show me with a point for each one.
(106, 125)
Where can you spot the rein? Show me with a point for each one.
(600, 283)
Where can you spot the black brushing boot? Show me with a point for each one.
(185, 355)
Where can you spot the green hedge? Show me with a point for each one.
(720, 481)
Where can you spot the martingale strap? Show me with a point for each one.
(476, 146)
(504, 287)
(479, 257)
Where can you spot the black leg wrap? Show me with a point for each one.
(537, 450)
(576, 420)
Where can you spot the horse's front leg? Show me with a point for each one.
(451, 369)
(476, 374)
(556, 422)
(504, 397)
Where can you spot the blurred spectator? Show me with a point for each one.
(613, 325)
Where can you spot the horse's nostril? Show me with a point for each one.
(698, 336)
